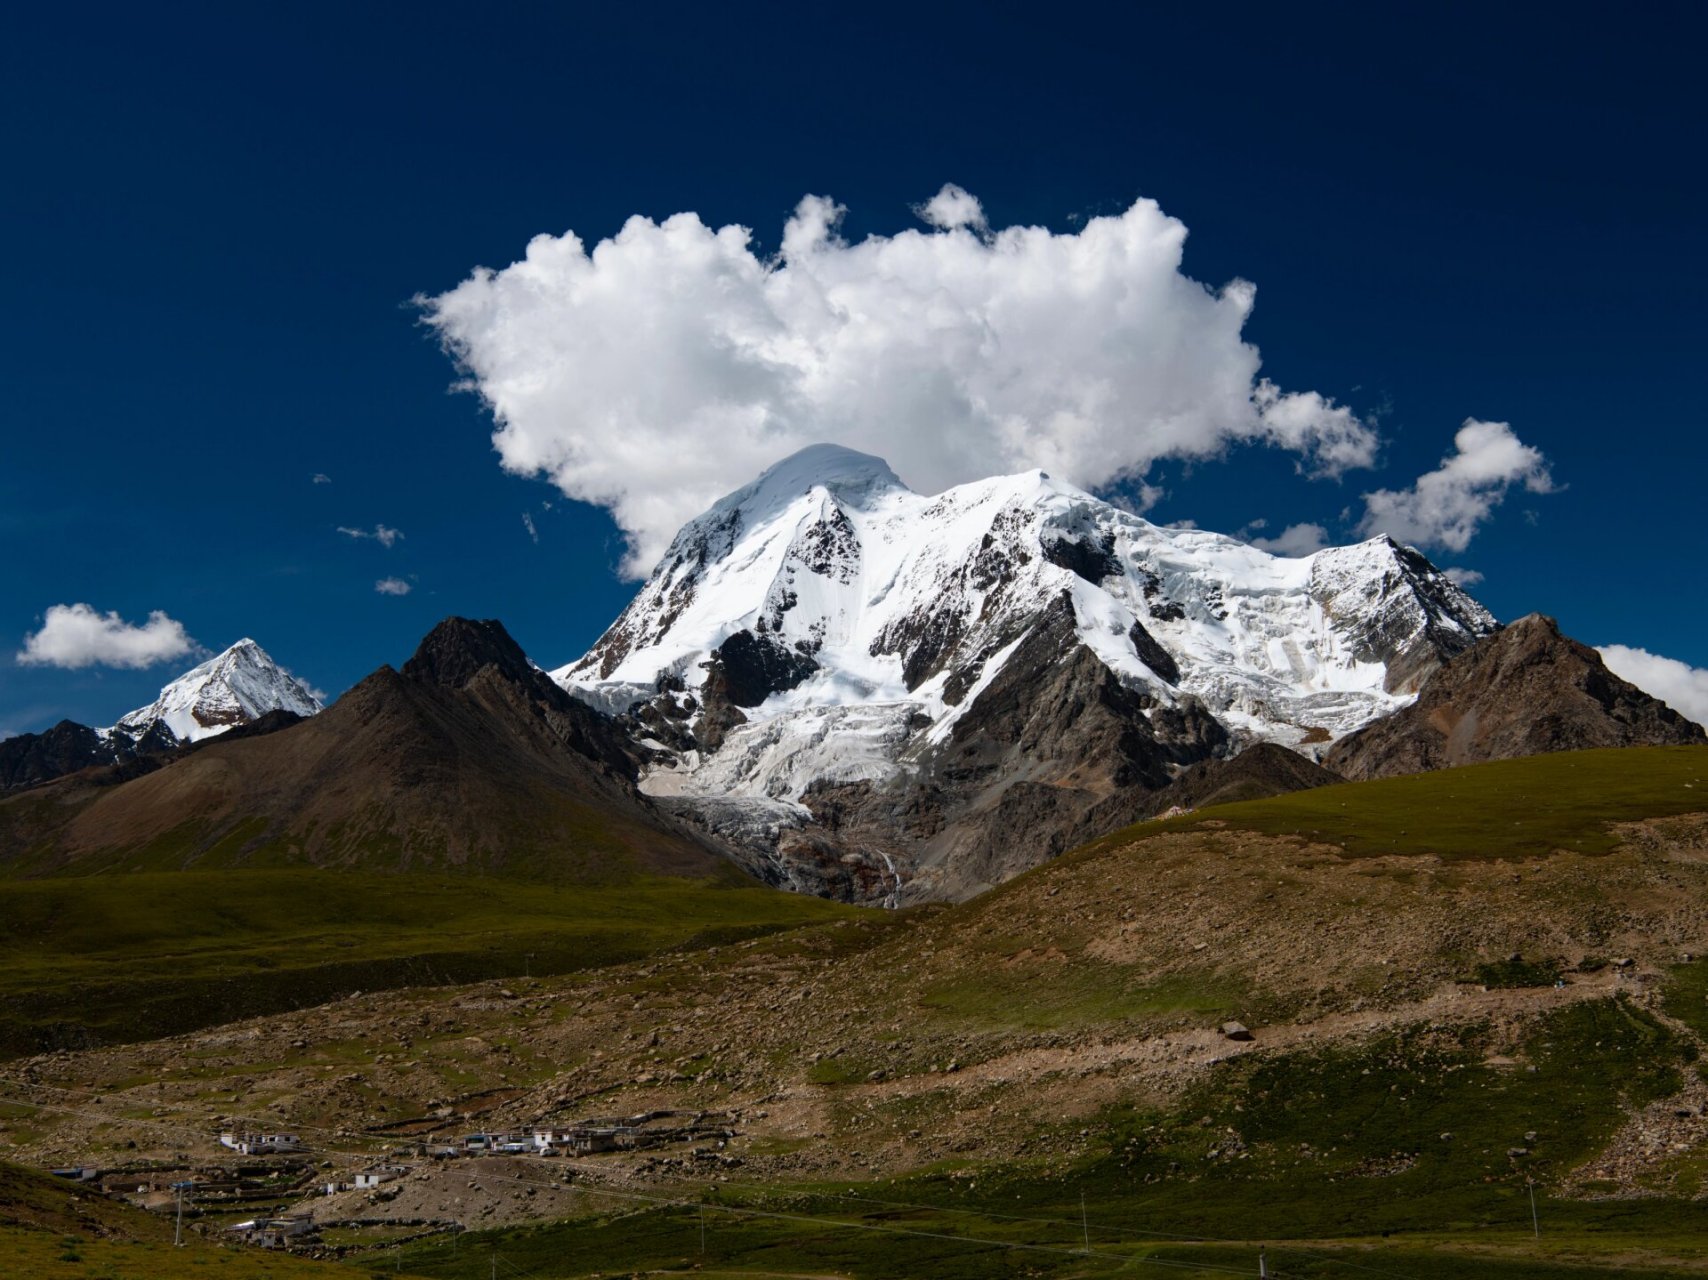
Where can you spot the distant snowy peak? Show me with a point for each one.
(236, 687)
(828, 582)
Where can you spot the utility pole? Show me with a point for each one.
(1262, 1263)
(1084, 1222)
(1535, 1222)
(178, 1231)
(702, 1229)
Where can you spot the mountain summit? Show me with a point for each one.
(235, 687)
(836, 667)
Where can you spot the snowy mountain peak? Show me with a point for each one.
(848, 473)
(827, 627)
(235, 687)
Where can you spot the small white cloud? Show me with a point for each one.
(1681, 686)
(393, 587)
(608, 366)
(1295, 540)
(382, 534)
(1463, 577)
(1447, 506)
(528, 524)
(320, 477)
(953, 207)
(77, 635)
(1257, 525)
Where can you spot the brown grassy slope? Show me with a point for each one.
(469, 758)
(889, 1042)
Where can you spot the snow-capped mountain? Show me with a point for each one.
(826, 628)
(238, 686)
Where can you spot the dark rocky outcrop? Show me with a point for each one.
(1091, 557)
(1052, 736)
(31, 759)
(1522, 691)
(1261, 770)
(458, 649)
(755, 667)
(1152, 654)
(742, 672)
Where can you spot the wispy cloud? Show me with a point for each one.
(74, 636)
(1463, 577)
(393, 587)
(528, 524)
(382, 534)
(1446, 507)
(320, 477)
(1295, 540)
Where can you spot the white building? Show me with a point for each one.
(368, 1179)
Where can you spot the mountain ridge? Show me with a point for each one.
(1524, 691)
(239, 687)
(469, 758)
(824, 664)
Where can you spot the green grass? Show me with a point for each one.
(1516, 971)
(52, 1228)
(110, 958)
(1086, 993)
(1687, 995)
(1506, 809)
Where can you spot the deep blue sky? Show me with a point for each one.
(215, 221)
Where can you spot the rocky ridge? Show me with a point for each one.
(1524, 691)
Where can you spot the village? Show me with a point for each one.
(276, 1190)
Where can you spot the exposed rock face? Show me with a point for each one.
(470, 757)
(33, 758)
(1409, 616)
(1052, 734)
(870, 688)
(457, 650)
(1255, 773)
(1524, 691)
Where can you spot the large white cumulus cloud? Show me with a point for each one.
(74, 636)
(671, 363)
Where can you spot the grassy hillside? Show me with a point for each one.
(52, 1228)
(936, 1094)
(122, 957)
(1506, 809)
